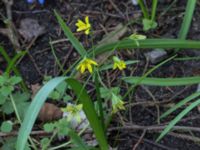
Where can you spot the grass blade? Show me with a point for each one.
(144, 9)
(181, 103)
(153, 11)
(14, 60)
(177, 119)
(187, 19)
(147, 43)
(76, 44)
(164, 81)
(14, 68)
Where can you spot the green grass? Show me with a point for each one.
(164, 81)
(85, 99)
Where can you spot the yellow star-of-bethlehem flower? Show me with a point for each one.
(84, 26)
(73, 112)
(86, 63)
(117, 103)
(120, 64)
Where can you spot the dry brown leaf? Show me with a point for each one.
(50, 112)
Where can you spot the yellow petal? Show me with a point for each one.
(80, 23)
(89, 68)
(87, 31)
(92, 62)
(81, 26)
(87, 20)
(82, 68)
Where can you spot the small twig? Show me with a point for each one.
(116, 8)
(11, 30)
(140, 140)
(34, 63)
(185, 137)
(33, 133)
(154, 99)
(154, 143)
(153, 128)
(147, 103)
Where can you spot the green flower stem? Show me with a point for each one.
(52, 137)
(19, 119)
(153, 11)
(144, 9)
(15, 108)
(56, 58)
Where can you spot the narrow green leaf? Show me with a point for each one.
(147, 43)
(153, 11)
(16, 71)
(164, 81)
(76, 44)
(181, 103)
(143, 8)
(187, 19)
(177, 119)
(12, 63)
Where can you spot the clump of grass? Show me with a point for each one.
(97, 114)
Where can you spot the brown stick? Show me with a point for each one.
(140, 140)
(153, 128)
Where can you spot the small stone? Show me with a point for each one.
(30, 28)
(156, 55)
(198, 87)
(135, 3)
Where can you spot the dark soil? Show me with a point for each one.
(104, 16)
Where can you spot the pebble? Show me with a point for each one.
(134, 2)
(156, 55)
(198, 87)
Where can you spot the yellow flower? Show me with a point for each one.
(86, 63)
(84, 26)
(120, 64)
(73, 112)
(117, 103)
